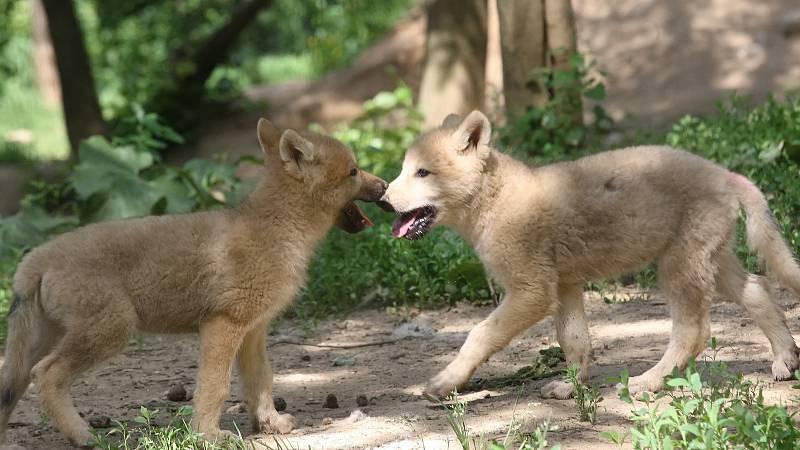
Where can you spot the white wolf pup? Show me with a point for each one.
(543, 232)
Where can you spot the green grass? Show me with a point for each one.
(22, 108)
(708, 406)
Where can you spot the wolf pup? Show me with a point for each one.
(223, 273)
(543, 232)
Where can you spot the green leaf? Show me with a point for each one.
(771, 153)
(597, 92)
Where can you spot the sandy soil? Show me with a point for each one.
(629, 335)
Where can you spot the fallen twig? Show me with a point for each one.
(365, 344)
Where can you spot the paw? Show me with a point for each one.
(557, 389)
(279, 423)
(637, 385)
(444, 383)
(214, 434)
(783, 368)
(82, 439)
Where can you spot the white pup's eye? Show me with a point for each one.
(422, 173)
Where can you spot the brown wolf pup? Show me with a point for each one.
(224, 274)
(543, 232)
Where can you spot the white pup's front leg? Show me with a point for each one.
(520, 309)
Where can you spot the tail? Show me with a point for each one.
(764, 234)
(21, 354)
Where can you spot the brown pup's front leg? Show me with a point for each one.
(219, 341)
(256, 372)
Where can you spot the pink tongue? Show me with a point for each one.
(400, 228)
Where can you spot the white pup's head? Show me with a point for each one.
(441, 173)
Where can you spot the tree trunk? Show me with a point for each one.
(561, 45)
(534, 35)
(493, 104)
(79, 98)
(453, 76)
(44, 62)
(523, 42)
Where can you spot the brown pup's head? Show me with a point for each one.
(441, 173)
(327, 170)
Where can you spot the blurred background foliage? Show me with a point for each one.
(138, 49)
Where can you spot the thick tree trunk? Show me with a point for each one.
(534, 35)
(79, 97)
(453, 77)
(561, 45)
(44, 61)
(523, 42)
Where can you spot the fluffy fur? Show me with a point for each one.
(543, 232)
(224, 274)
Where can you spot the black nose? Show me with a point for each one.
(384, 205)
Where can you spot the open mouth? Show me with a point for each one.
(352, 219)
(414, 224)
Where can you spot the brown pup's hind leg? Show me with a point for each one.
(83, 346)
(220, 340)
(755, 294)
(256, 371)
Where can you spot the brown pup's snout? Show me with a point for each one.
(372, 190)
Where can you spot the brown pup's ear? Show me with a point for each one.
(474, 134)
(451, 121)
(268, 136)
(296, 152)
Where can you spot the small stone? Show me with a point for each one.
(280, 404)
(308, 423)
(331, 402)
(362, 400)
(327, 421)
(356, 416)
(343, 361)
(99, 422)
(177, 393)
(305, 358)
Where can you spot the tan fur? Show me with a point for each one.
(543, 232)
(224, 274)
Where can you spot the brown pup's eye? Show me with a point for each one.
(354, 172)
(422, 173)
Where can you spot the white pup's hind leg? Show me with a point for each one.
(573, 336)
(755, 294)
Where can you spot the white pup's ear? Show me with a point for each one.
(474, 133)
(451, 121)
(268, 136)
(296, 151)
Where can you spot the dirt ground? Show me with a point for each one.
(629, 335)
